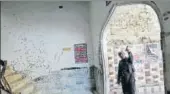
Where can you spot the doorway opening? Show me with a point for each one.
(136, 26)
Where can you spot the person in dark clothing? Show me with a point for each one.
(126, 72)
(2, 70)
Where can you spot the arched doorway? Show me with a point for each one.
(138, 26)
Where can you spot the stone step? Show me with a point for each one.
(9, 71)
(36, 91)
(8, 67)
(13, 77)
(19, 84)
(27, 89)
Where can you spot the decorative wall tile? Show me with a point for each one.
(161, 72)
(110, 65)
(147, 55)
(147, 73)
(109, 58)
(147, 66)
(111, 73)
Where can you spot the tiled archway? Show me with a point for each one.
(136, 25)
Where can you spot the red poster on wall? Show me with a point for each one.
(80, 52)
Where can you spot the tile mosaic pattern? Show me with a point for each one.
(148, 65)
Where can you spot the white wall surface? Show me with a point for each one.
(33, 35)
(39, 31)
(99, 13)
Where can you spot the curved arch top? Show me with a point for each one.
(102, 34)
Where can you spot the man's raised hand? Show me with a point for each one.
(127, 49)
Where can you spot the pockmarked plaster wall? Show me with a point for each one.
(99, 13)
(35, 34)
(138, 27)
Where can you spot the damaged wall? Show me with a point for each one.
(99, 15)
(33, 36)
(29, 19)
(137, 26)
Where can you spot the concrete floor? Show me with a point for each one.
(143, 90)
